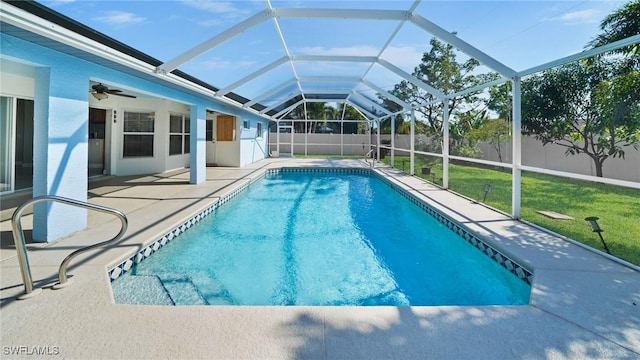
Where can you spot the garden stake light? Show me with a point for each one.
(595, 227)
(487, 188)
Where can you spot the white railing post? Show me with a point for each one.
(516, 148)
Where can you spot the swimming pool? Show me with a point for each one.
(320, 238)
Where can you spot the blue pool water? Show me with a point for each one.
(320, 239)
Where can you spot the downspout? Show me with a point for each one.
(413, 142)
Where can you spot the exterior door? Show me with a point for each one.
(97, 137)
(211, 140)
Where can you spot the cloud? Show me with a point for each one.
(226, 11)
(212, 6)
(404, 57)
(360, 50)
(220, 63)
(120, 18)
(53, 3)
(580, 16)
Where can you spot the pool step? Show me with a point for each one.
(198, 288)
(212, 289)
(181, 289)
(127, 290)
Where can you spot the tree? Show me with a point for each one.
(495, 132)
(620, 24)
(590, 109)
(500, 101)
(441, 70)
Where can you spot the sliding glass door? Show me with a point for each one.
(6, 144)
(16, 144)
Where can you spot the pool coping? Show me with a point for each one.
(580, 305)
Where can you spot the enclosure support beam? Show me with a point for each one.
(278, 137)
(273, 91)
(306, 136)
(516, 140)
(252, 76)
(412, 140)
(341, 138)
(463, 46)
(215, 41)
(378, 142)
(393, 141)
(445, 144)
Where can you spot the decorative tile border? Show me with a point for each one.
(127, 264)
(319, 170)
(520, 271)
(506, 262)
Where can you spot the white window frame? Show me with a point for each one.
(125, 133)
(184, 134)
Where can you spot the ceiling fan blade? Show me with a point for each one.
(124, 95)
(114, 91)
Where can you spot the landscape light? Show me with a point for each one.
(595, 227)
(487, 188)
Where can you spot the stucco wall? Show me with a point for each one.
(253, 146)
(60, 84)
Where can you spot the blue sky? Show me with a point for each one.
(520, 34)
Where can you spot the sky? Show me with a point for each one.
(519, 34)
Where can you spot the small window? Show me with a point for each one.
(179, 134)
(245, 124)
(138, 134)
(259, 130)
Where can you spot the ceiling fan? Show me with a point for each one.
(100, 91)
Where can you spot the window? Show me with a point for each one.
(179, 137)
(209, 134)
(226, 128)
(259, 130)
(245, 124)
(138, 134)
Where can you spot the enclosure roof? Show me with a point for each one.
(270, 57)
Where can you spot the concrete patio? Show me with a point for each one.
(583, 305)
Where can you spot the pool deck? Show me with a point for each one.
(583, 305)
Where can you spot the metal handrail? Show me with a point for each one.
(368, 155)
(21, 247)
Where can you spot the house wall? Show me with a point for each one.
(59, 84)
(161, 161)
(253, 146)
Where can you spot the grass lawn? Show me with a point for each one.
(617, 207)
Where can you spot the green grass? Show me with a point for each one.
(617, 207)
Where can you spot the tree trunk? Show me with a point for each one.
(598, 163)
